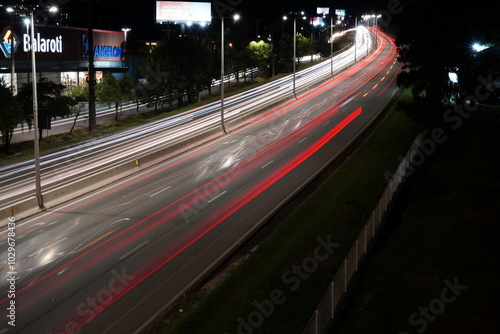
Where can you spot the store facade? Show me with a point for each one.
(62, 53)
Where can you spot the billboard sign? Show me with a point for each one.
(183, 12)
(317, 21)
(323, 10)
(55, 43)
(340, 14)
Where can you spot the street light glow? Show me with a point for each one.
(236, 17)
(479, 47)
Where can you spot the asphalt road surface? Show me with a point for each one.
(109, 262)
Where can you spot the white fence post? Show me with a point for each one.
(357, 255)
(333, 301)
(345, 275)
(317, 321)
(366, 237)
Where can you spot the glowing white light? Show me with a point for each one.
(453, 77)
(479, 47)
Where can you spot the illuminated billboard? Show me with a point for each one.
(340, 14)
(183, 12)
(317, 21)
(323, 11)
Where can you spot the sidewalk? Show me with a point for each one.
(434, 270)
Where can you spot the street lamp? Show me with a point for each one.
(295, 49)
(38, 185)
(126, 31)
(236, 17)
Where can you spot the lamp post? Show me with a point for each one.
(331, 43)
(38, 185)
(294, 54)
(13, 75)
(126, 31)
(236, 17)
(355, 37)
(295, 51)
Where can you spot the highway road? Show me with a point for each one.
(109, 262)
(66, 165)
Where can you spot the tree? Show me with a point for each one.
(138, 52)
(305, 46)
(179, 65)
(432, 48)
(52, 103)
(81, 95)
(11, 114)
(283, 54)
(113, 91)
(260, 55)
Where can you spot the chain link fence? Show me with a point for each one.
(325, 311)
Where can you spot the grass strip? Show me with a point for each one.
(444, 228)
(275, 271)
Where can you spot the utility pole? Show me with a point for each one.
(355, 38)
(294, 54)
(13, 75)
(91, 77)
(38, 185)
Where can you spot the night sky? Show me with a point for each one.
(114, 14)
(140, 15)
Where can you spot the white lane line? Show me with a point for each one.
(214, 198)
(133, 250)
(270, 162)
(159, 192)
(119, 221)
(54, 222)
(300, 141)
(349, 100)
(59, 241)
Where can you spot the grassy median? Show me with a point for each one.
(272, 291)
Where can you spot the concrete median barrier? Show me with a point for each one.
(72, 190)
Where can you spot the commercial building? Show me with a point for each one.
(62, 53)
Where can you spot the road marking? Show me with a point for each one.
(270, 162)
(133, 250)
(300, 141)
(119, 221)
(93, 242)
(59, 241)
(159, 192)
(348, 101)
(54, 222)
(214, 198)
